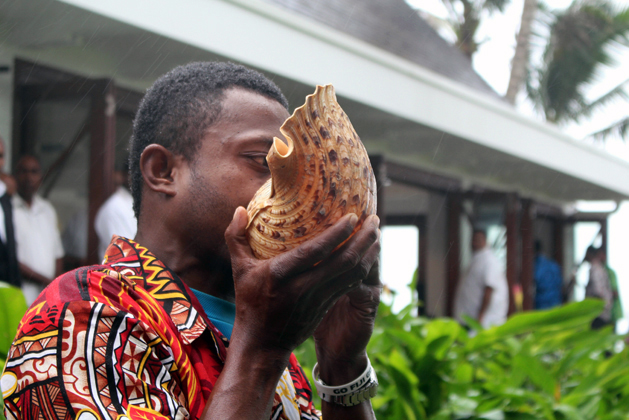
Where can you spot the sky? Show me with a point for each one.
(492, 62)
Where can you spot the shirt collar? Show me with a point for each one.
(20, 202)
(143, 268)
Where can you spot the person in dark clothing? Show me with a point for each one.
(9, 267)
(548, 280)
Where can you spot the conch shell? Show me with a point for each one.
(322, 174)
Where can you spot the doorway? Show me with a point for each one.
(79, 129)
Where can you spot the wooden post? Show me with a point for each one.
(528, 254)
(604, 234)
(511, 223)
(453, 256)
(558, 244)
(422, 261)
(102, 156)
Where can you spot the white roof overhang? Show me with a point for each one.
(409, 114)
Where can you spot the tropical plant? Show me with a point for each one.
(465, 16)
(521, 57)
(582, 40)
(539, 365)
(12, 308)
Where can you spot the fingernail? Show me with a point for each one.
(353, 220)
(376, 221)
(240, 210)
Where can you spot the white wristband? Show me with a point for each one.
(360, 389)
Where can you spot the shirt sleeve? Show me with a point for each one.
(494, 275)
(90, 361)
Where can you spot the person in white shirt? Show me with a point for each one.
(39, 248)
(599, 286)
(115, 216)
(483, 294)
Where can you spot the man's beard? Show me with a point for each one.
(209, 203)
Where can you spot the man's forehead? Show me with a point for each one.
(248, 117)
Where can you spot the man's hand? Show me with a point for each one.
(342, 336)
(279, 303)
(341, 339)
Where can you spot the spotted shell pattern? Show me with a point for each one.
(322, 174)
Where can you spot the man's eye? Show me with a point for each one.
(260, 160)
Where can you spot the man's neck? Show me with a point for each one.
(28, 199)
(211, 275)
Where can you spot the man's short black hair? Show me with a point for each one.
(181, 105)
(591, 250)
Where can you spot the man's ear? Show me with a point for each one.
(158, 165)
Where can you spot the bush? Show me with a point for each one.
(538, 365)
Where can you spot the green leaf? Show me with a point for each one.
(568, 316)
(461, 405)
(464, 372)
(568, 412)
(12, 309)
(536, 372)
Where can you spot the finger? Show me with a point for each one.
(358, 275)
(236, 236)
(350, 264)
(306, 255)
(373, 278)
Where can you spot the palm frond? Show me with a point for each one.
(619, 129)
(577, 48)
(495, 5)
(587, 108)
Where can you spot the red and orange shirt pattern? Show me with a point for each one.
(126, 340)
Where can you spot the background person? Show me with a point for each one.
(483, 293)
(39, 248)
(548, 280)
(599, 286)
(115, 216)
(9, 267)
(7, 179)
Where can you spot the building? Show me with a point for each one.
(446, 149)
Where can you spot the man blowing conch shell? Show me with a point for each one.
(183, 321)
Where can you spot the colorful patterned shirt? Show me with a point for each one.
(126, 340)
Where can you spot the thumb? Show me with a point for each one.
(236, 238)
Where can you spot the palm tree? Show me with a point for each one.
(521, 58)
(581, 42)
(465, 17)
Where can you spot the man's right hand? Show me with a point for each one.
(280, 301)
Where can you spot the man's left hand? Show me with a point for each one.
(342, 336)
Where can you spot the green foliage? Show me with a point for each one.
(465, 17)
(582, 38)
(538, 365)
(12, 309)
